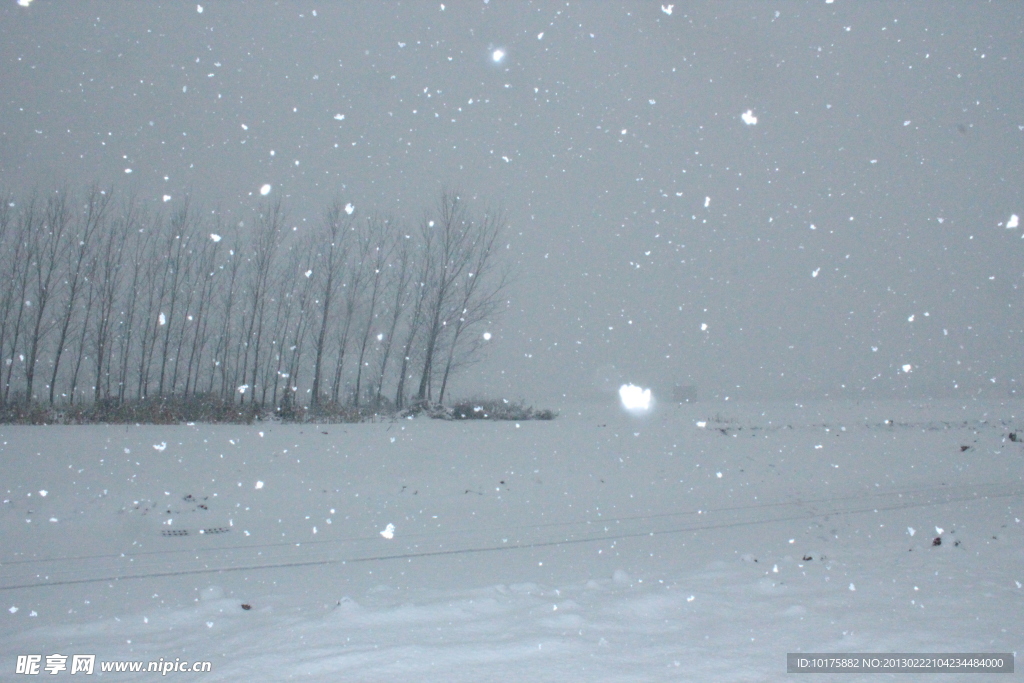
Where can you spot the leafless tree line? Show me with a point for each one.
(106, 299)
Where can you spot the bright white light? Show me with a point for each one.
(487, 336)
(707, 202)
(199, 8)
(339, 117)
(215, 237)
(498, 55)
(127, 170)
(908, 367)
(259, 484)
(703, 327)
(749, 118)
(634, 398)
(1013, 222)
(389, 532)
(24, 3)
(667, 9)
(265, 190)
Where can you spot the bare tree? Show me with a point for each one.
(140, 239)
(303, 299)
(452, 230)
(281, 322)
(176, 252)
(479, 291)
(333, 235)
(420, 293)
(90, 297)
(266, 240)
(191, 293)
(207, 274)
(224, 344)
(352, 290)
(109, 275)
(376, 235)
(399, 275)
(79, 257)
(155, 284)
(15, 246)
(48, 245)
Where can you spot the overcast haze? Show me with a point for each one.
(859, 226)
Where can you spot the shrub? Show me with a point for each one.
(213, 409)
(497, 409)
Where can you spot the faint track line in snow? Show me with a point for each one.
(603, 521)
(951, 496)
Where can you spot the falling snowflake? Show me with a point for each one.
(634, 397)
(389, 532)
(749, 118)
(265, 190)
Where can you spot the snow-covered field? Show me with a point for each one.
(598, 547)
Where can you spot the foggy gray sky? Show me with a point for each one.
(894, 128)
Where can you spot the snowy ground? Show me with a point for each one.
(597, 547)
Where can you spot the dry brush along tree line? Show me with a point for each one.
(107, 304)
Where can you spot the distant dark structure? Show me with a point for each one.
(684, 393)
